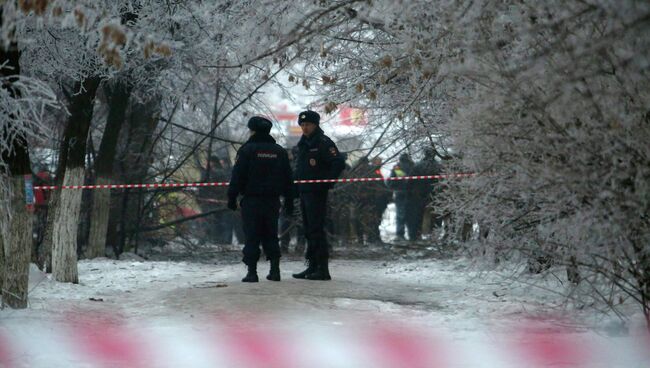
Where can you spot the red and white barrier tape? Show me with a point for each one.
(292, 342)
(225, 183)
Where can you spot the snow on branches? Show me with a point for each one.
(548, 101)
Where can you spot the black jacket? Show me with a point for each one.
(318, 158)
(261, 169)
(424, 187)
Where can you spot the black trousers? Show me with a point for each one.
(260, 220)
(314, 213)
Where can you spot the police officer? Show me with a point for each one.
(261, 174)
(318, 158)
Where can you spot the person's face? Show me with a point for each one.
(308, 128)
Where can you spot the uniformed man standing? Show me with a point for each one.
(261, 174)
(318, 158)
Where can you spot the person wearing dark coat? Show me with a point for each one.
(420, 194)
(381, 196)
(261, 174)
(318, 158)
(370, 200)
(404, 215)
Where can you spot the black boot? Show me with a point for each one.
(311, 268)
(274, 273)
(322, 272)
(251, 276)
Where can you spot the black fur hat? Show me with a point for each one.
(260, 124)
(309, 116)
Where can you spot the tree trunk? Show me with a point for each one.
(99, 216)
(45, 256)
(146, 120)
(134, 163)
(45, 251)
(17, 242)
(17, 248)
(117, 99)
(64, 252)
(66, 220)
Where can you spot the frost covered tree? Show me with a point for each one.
(558, 124)
(75, 46)
(14, 168)
(80, 46)
(22, 104)
(544, 100)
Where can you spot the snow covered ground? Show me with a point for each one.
(399, 313)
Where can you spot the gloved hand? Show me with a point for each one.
(288, 208)
(232, 204)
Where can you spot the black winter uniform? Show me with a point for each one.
(261, 174)
(421, 190)
(318, 158)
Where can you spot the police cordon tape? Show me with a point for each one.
(287, 341)
(225, 183)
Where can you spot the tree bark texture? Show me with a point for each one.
(118, 99)
(134, 163)
(17, 248)
(45, 251)
(45, 256)
(99, 219)
(64, 237)
(66, 220)
(17, 243)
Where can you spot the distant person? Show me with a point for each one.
(403, 168)
(381, 196)
(370, 201)
(318, 158)
(261, 174)
(421, 193)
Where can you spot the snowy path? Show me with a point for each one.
(444, 298)
(435, 291)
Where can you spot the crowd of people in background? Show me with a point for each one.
(356, 209)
